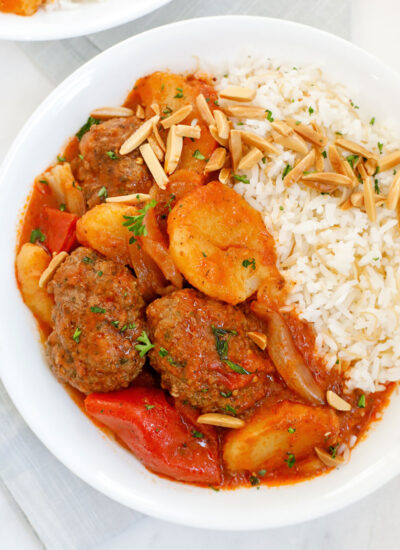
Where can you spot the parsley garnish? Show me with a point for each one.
(135, 223)
(163, 352)
(81, 156)
(310, 110)
(290, 461)
(102, 193)
(291, 430)
(179, 93)
(220, 343)
(352, 159)
(76, 335)
(62, 207)
(254, 481)
(61, 159)
(74, 184)
(380, 147)
(377, 190)
(333, 450)
(225, 394)
(37, 235)
(243, 179)
(115, 324)
(372, 121)
(87, 260)
(197, 434)
(269, 115)
(112, 155)
(230, 409)
(324, 154)
(197, 155)
(99, 273)
(286, 171)
(262, 473)
(96, 309)
(86, 127)
(145, 344)
(248, 262)
(149, 407)
(235, 367)
(45, 182)
(167, 110)
(168, 205)
(361, 402)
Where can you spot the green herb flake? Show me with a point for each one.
(361, 402)
(231, 410)
(310, 110)
(333, 450)
(298, 122)
(380, 147)
(62, 207)
(281, 208)
(149, 407)
(197, 155)
(197, 434)
(87, 260)
(264, 160)
(37, 235)
(179, 93)
(338, 133)
(172, 197)
(324, 154)
(235, 367)
(86, 127)
(221, 343)
(123, 329)
(145, 345)
(269, 115)
(254, 481)
(135, 223)
(216, 102)
(204, 254)
(132, 326)
(291, 430)
(376, 184)
(100, 273)
(372, 121)
(167, 111)
(74, 184)
(249, 262)
(214, 488)
(163, 352)
(61, 158)
(76, 335)
(115, 324)
(243, 179)
(262, 473)
(81, 156)
(96, 309)
(112, 155)
(352, 159)
(286, 171)
(225, 394)
(45, 182)
(290, 460)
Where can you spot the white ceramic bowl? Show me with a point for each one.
(43, 402)
(86, 18)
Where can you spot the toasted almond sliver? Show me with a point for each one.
(248, 111)
(184, 130)
(159, 139)
(357, 199)
(293, 142)
(156, 148)
(250, 159)
(337, 402)
(355, 148)
(177, 116)
(54, 264)
(330, 178)
(259, 339)
(139, 136)
(153, 164)
(297, 172)
(336, 160)
(238, 93)
(156, 108)
(370, 166)
(282, 128)
(174, 150)
(140, 112)
(319, 160)
(224, 176)
(327, 459)
(321, 187)
(235, 147)
(308, 133)
(222, 124)
(134, 198)
(369, 202)
(214, 133)
(389, 161)
(222, 420)
(111, 112)
(204, 109)
(261, 143)
(216, 161)
(394, 193)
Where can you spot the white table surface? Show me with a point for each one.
(28, 73)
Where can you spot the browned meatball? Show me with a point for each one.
(98, 316)
(203, 353)
(103, 166)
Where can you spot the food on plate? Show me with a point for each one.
(30, 7)
(213, 266)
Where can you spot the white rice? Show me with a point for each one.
(344, 270)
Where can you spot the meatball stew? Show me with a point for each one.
(156, 289)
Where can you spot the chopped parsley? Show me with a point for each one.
(249, 262)
(81, 156)
(281, 208)
(324, 154)
(76, 335)
(199, 156)
(286, 171)
(225, 394)
(254, 481)
(145, 345)
(37, 235)
(163, 352)
(264, 160)
(168, 205)
(99, 273)
(298, 122)
(86, 127)
(62, 207)
(361, 402)
(333, 450)
(291, 430)
(61, 158)
(310, 110)
(135, 223)
(102, 193)
(354, 106)
(290, 460)
(372, 121)
(112, 155)
(96, 309)
(216, 102)
(149, 407)
(380, 147)
(167, 110)
(87, 260)
(262, 473)
(45, 182)
(243, 179)
(221, 344)
(235, 367)
(376, 183)
(74, 184)
(204, 254)
(179, 93)
(231, 410)
(269, 115)
(197, 434)
(352, 159)
(115, 324)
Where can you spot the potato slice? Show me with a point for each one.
(275, 433)
(32, 260)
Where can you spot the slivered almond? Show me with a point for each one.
(204, 109)
(357, 199)
(224, 175)
(222, 124)
(337, 402)
(111, 112)
(156, 108)
(259, 339)
(235, 147)
(282, 128)
(250, 159)
(134, 198)
(54, 264)
(156, 148)
(308, 133)
(216, 161)
(336, 160)
(159, 139)
(214, 133)
(330, 178)
(261, 143)
(389, 161)
(370, 166)
(238, 93)
(297, 172)
(174, 150)
(222, 420)
(355, 148)
(183, 130)
(369, 201)
(328, 459)
(248, 111)
(176, 117)
(153, 164)
(293, 142)
(139, 136)
(321, 187)
(394, 193)
(350, 173)
(319, 160)
(140, 112)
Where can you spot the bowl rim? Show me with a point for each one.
(389, 467)
(26, 29)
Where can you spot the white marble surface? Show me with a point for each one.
(29, 72)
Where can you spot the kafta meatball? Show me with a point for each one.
(98, 316)
(204, 354)
(103, 171)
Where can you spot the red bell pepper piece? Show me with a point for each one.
(164, 439)
(59, 228)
